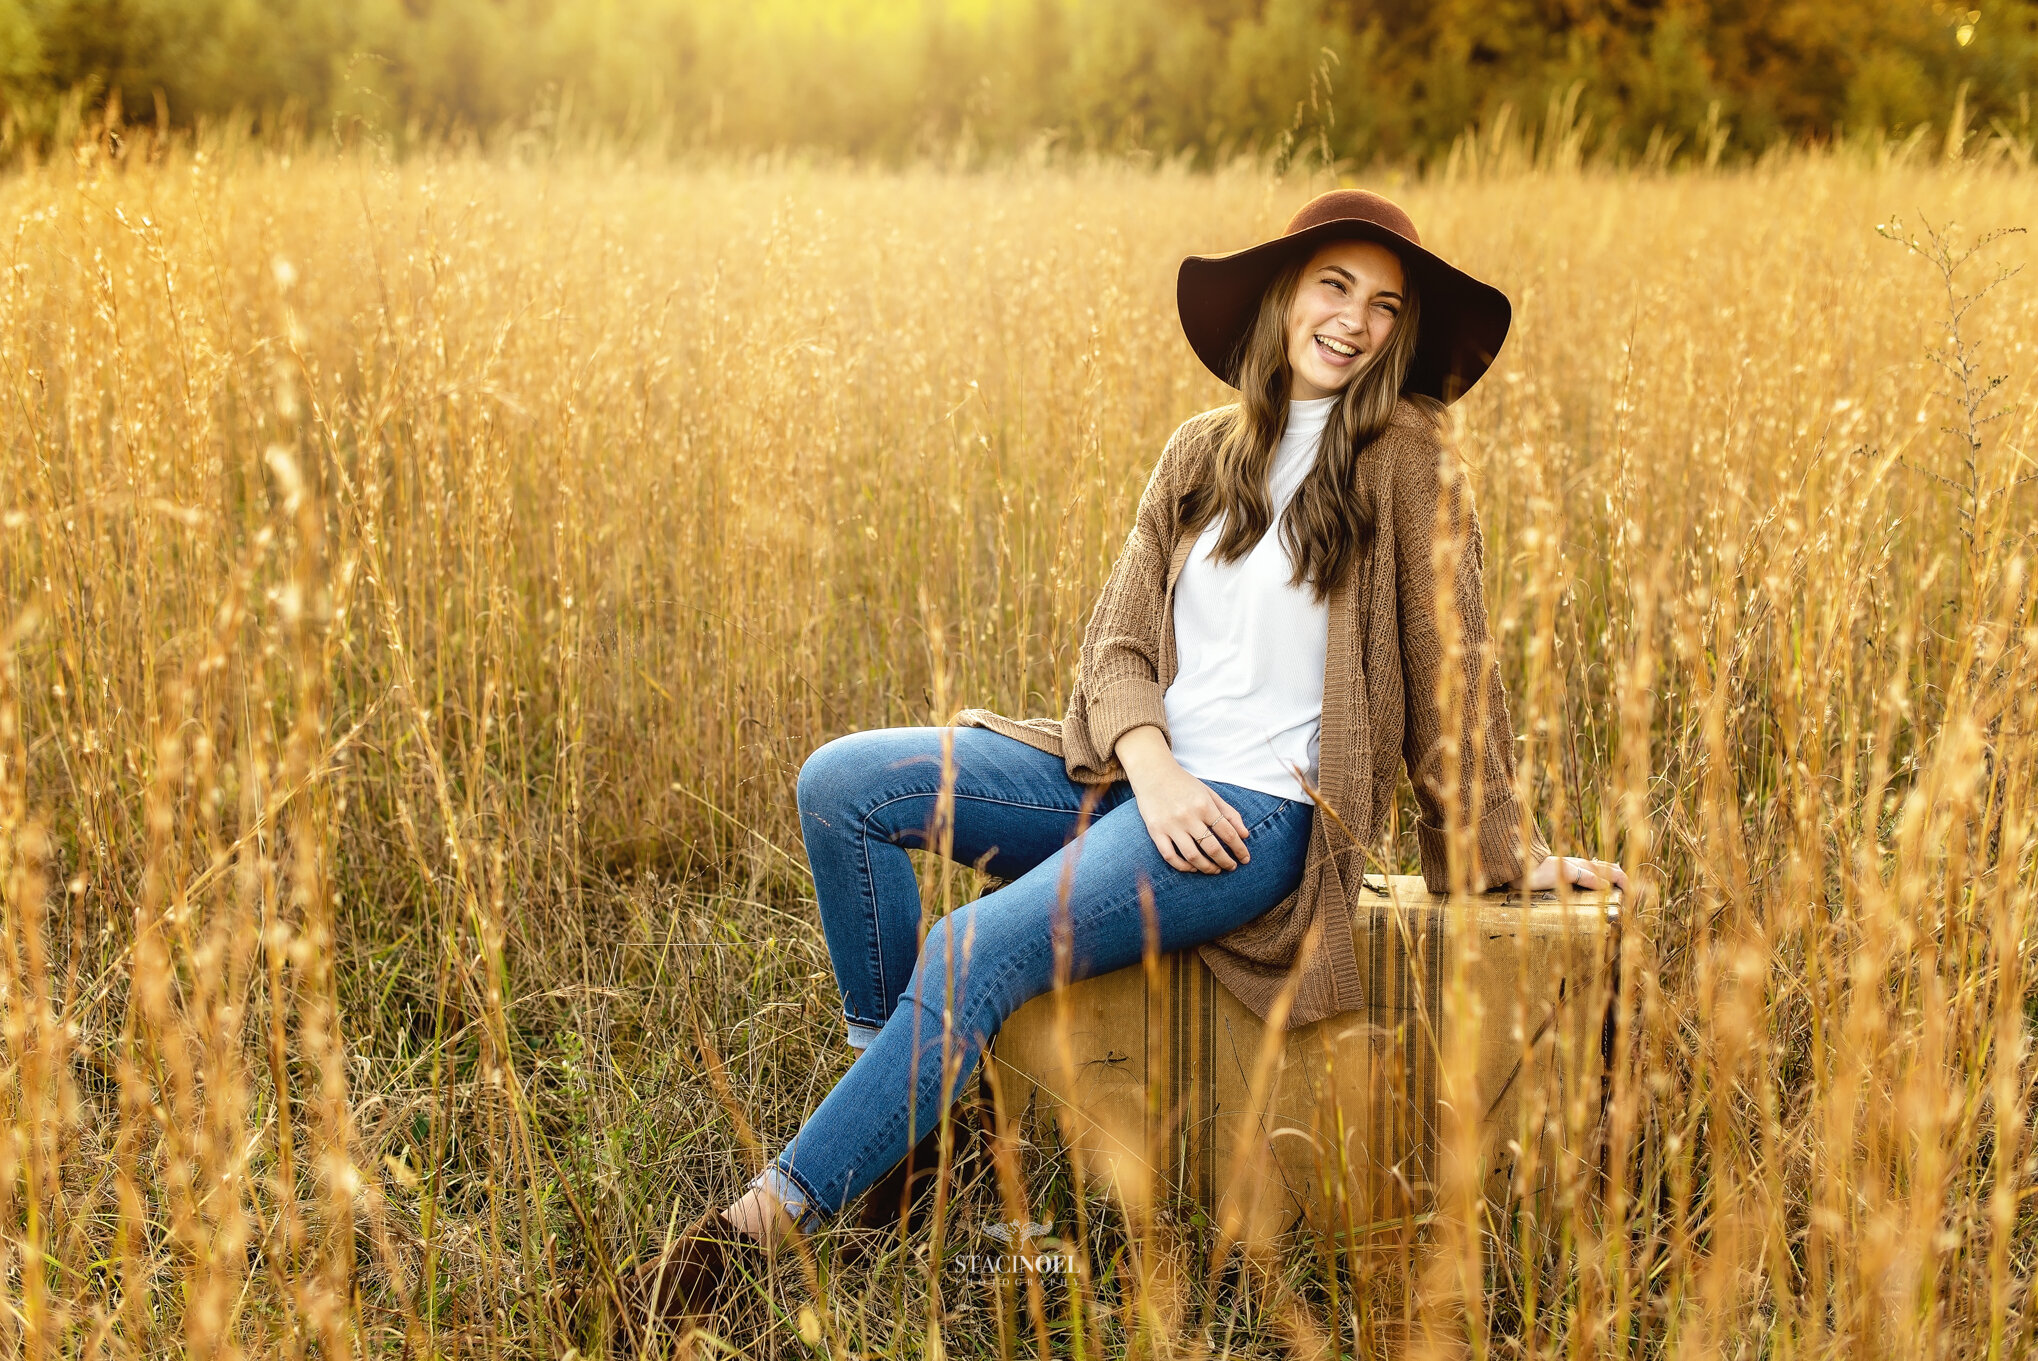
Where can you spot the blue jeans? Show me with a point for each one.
(867, 797)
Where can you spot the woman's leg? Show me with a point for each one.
(865, 798)
(986, 958)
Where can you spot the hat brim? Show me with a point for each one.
(1464, 320)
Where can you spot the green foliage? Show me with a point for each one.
(897, 78)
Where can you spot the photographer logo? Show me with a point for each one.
(1015, 1238)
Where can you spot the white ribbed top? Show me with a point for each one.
(1247, 698)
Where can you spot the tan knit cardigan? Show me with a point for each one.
(1380, 706)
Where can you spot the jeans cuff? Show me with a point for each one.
(790, 1197)
(860, 1035)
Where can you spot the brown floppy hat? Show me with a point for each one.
(1463, 320)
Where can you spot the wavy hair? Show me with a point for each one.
(1330, 519)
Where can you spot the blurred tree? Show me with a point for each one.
(21, 55)
(892, 78)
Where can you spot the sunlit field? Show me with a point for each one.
(421, 582)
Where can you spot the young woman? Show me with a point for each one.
(1274, 625)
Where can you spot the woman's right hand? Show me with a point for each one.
(1192, 828)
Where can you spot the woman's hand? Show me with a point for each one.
(1191, 827)
(1574, 870)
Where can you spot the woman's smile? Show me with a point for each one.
(1340, 353)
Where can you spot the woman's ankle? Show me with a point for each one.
(758, 1215)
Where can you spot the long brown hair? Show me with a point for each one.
(1330, 518)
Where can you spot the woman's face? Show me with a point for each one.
(1344, 309)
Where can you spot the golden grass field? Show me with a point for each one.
(421, 582)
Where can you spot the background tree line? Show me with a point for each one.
(898, 78)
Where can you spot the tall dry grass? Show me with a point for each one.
(422, 582)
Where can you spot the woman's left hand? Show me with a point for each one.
(1575, 870)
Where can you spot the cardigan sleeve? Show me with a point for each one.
(1436, 530)
(1119, 687)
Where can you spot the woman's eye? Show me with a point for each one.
(1335, 284)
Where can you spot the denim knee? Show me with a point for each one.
(835, 773)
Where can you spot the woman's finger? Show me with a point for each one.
(1230, 829)
(1205, 848)
(1185, 849)
(1168, 853)
(1603, 873)
(1222, 845)
(1609, 875)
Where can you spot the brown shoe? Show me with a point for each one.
(693, 1278)
(905, 1191)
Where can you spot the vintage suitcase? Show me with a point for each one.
(1490, 1008)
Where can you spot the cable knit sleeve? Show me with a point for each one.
(1120, 687)
(1440, 561)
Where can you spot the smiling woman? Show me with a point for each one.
(1232, 681)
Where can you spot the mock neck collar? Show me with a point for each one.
(1307, 419)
